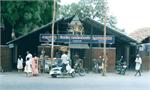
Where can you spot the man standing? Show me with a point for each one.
(138, 62)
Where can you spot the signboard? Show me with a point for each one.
(66, 38)
(11, 45)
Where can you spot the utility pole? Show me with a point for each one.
(104, 62)
(53, 25)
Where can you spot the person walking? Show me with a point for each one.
(35, 66)
(28, 68)
(29, 55)
(138, 62)
(20, 63)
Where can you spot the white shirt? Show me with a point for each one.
(138, 62)
(29, 56)
(20, 63)
(64, 58)
(28, 67)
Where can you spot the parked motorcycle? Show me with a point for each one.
(97, 67)
(57, 71)
(121, 68)
(79, 67)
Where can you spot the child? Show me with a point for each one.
(20, 63)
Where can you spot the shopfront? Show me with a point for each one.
(83, 46)
(84, 37)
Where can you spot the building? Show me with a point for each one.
(88, 41)
(5, 52)
(143, 37)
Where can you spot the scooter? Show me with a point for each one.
(57, 71)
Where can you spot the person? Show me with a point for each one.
(64, 58)
(43, 52)
(42, 61)
(27, 68)
(138, 62)
(121, 59)
(100, 60)
(58, 54)
(29, 55)
(119, 65)
(100, 63)
(58, 57)
(75, 59)
(19, 63)
(35, 65)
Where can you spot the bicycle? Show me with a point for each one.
(79, 67)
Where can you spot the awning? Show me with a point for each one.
(79, 46)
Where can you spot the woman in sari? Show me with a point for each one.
(35, 66)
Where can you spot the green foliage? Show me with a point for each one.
(112, 21)
(24, 16)
(95, 9)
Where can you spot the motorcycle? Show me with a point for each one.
(57, 71)
(121, 68)
(97, 67)
(79, 68)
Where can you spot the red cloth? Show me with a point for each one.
(35, 66)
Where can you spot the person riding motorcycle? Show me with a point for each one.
(121, 66)
(64, 58)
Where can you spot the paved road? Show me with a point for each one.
(18, 81)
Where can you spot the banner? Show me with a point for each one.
(67, 38)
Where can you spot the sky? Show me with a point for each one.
(131, 14)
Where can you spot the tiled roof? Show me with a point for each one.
(140, 34)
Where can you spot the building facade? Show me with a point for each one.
(85, 38)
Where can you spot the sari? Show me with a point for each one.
(35, 66)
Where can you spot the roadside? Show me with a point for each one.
(91, 81)
(128, 74)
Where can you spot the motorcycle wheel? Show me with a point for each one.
(81, 72)
(54, 76)
(124, 72)
(73, 74)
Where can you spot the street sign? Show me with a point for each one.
(81, 39)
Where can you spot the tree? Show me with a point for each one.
(112, 22)
(95, 9)
(25, 16)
